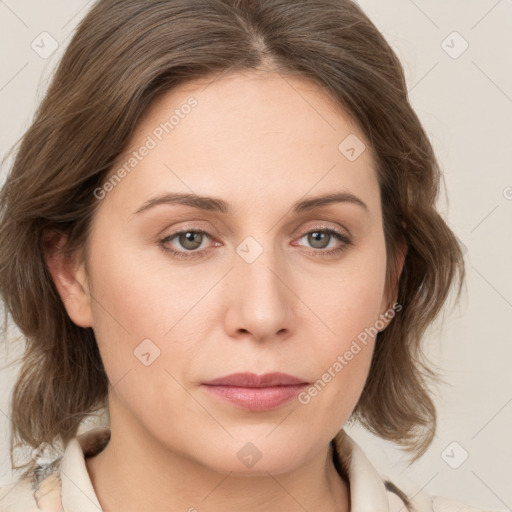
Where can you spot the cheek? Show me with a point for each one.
(349, 304)
(138, 292)
(341, 361)
(140, 317)
(139, 309)
(349, 297)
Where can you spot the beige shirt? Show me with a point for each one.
(64, 484)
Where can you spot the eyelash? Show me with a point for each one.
(315, 253)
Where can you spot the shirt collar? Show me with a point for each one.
(367, 490)
(78, 494)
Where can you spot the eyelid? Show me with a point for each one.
(191, 225)
(205, 228)
(346, 241)
(320, 225)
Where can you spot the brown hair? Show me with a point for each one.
(124, 55)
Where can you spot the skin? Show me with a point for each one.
(260, 142)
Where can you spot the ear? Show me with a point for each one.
(69, 277)
(390, 295)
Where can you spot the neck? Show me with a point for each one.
(144, 475)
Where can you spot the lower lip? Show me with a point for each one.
(257, 399)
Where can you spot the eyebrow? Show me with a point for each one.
(219, 205)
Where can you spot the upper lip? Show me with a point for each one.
(251, 380)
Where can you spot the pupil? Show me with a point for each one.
(318, 236)
(190, 239)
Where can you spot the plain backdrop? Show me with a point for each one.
(457, 60)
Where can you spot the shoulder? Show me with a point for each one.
(33, 493)
(444, 504)
(42, 489)
(399, 502)
(18, 496)
(372, 491)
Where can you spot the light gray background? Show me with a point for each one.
(465, 104)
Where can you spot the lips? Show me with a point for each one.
(256, 392)
(251, 380)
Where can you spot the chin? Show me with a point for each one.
(254, 458)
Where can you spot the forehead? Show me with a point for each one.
(253, 134)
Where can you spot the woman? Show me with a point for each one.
(221, 228)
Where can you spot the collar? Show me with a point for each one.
(368, 492)
(78, 494)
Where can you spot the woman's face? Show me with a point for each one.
(258, 285)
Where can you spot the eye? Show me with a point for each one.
(191, 241)
(320, 237)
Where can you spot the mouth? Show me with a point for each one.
(256, 392)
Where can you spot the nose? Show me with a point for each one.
(260, 301)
